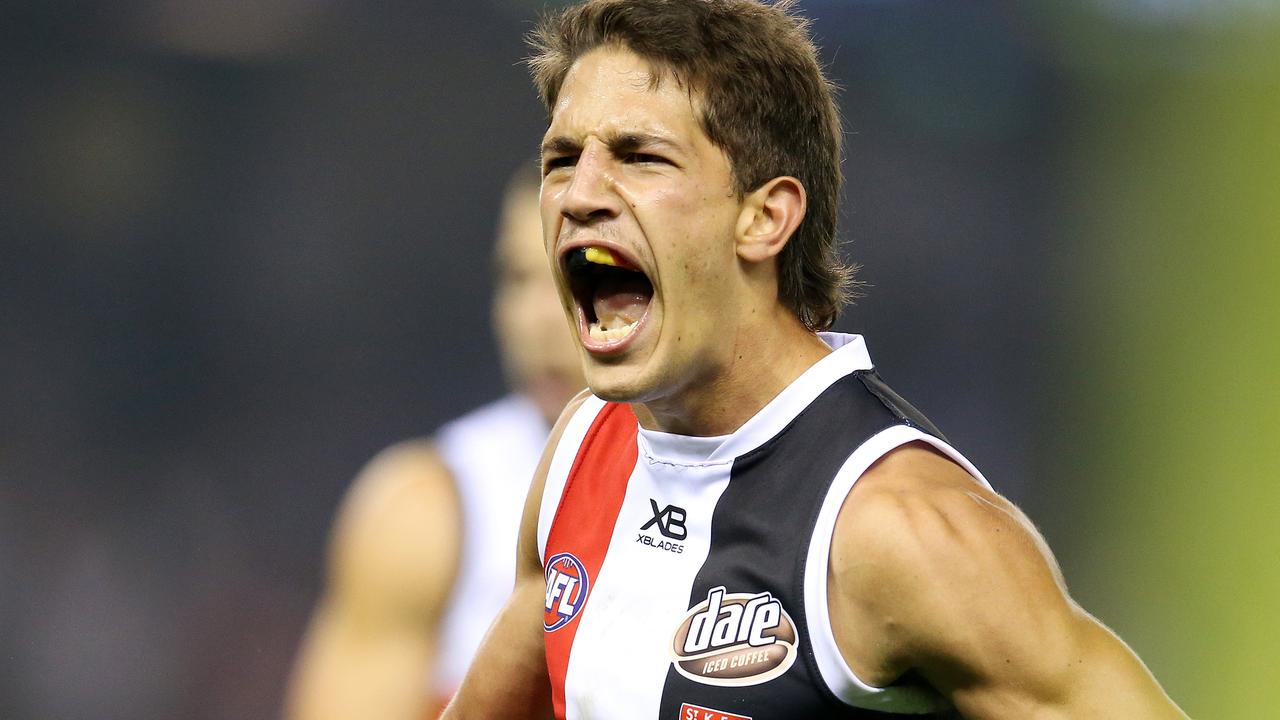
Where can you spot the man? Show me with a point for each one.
(421, 551)
(742, 520)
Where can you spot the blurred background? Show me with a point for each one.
(244, 245)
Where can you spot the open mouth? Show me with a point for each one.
(613, 294)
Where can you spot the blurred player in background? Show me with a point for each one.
(421, 552)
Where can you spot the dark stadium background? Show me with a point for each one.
(244, 245)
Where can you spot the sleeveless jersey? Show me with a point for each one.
(492, 453)
(686, 576)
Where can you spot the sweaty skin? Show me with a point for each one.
(629, 169)
(933, 573)
(929, 572)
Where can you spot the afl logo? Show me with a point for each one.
(735, 640)
(567, 586)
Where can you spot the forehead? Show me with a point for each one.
(611, 90)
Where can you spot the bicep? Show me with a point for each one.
(395, 548)
(1007, 641)
(1058, 662)
(978, 606)
(372, 637)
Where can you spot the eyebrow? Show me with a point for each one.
(618, 143)
(560, 145)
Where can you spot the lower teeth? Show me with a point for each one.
(614, 333)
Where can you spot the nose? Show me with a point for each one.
(592, 194)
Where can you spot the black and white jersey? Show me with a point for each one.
(686, 577)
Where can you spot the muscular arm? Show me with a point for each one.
(369, 650)
(508, 677)
(932, 573)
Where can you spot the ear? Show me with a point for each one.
(769, 216)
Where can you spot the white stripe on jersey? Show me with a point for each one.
(561, 463)
(836, 673)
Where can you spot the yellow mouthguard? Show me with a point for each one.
(600, 256)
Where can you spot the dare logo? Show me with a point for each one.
(689, 711)
(567, 587)
(735, 640)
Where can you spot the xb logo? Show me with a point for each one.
(670, 521)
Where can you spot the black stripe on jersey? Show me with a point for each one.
(895, 404)
(760, 533)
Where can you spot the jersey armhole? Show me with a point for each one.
(836, 674)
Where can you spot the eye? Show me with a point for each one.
(560, 161)
(639, 157)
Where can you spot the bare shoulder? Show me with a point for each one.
(411, 471)
(400, 512)
(917, 505)
(929, 560)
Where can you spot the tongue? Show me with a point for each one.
(621, 301)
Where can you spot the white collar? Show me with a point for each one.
(850, 355)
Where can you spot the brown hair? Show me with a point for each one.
(765, 102)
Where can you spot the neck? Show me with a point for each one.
(763, 359)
